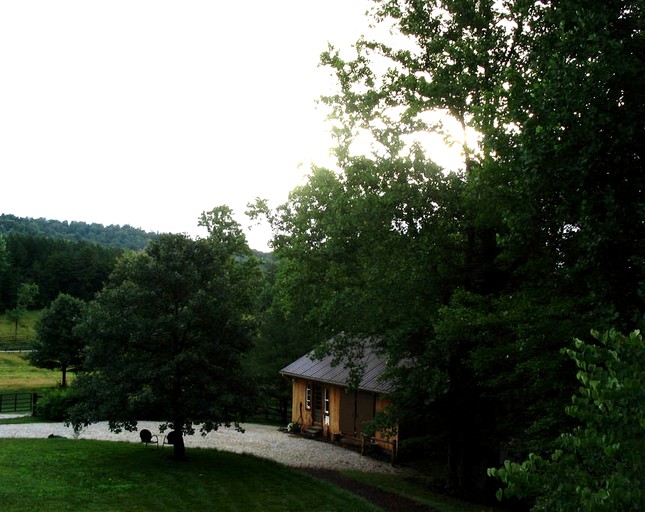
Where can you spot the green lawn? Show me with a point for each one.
(65, 474)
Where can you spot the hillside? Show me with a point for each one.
(118, 237)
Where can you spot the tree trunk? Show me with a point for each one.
(63, 383)
(179, 449)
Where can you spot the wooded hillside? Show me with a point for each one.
(118, 237)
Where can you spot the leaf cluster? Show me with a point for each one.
(599, 464)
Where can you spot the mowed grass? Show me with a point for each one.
(17, 375)
(71, 475)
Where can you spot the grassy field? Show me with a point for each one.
(61, 474)
(10, 340)
(17, 375)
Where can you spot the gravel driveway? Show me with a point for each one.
(260, 440)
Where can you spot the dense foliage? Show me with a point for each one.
(58, 346)
(599, 465)
(166, 336)
(56, 266)
(475, 280)
(117, 237)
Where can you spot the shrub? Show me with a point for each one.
(293, 428)
(54, 405)
(599, 466)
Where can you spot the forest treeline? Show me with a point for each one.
(115, 236)
(54, 265)
(74, 257)
(60, 257)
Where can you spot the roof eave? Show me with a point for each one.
(341, 385)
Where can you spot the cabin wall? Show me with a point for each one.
(305, 417)
(299, 413)
(334, 410)
(381, 439)
(342, 407)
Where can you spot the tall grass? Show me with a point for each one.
(23, 338)
(17, 375)
(60, 474)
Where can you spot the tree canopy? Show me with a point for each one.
(477, 278)
(58, 345)
(57, 266)
(114, 236)
(166, 337)
(599, 464)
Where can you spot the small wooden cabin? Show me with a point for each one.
(321, 397)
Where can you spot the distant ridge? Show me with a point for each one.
(118, 237)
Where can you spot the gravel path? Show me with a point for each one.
(260, 440)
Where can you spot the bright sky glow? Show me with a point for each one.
(148, 113)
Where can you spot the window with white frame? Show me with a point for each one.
(327, 401)
(308, 396)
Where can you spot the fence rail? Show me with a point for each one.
(17, 402)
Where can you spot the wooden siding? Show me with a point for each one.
(334, 410)
(381, 439)
(299, 413)
(340, 402)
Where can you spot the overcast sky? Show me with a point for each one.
(148, 113)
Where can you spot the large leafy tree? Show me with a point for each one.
(5, 263)
(168, 333)
(349, 245)
(538, 238)
(58, 346)
(571, 152)
(4, 255)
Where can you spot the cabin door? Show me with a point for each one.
(321, 405)
(355, 410)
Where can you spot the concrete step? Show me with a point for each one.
(313, 431)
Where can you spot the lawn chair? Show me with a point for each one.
(148, 437)
(170, 438)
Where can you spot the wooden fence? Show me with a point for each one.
(271, 411)
(10, 345)
(17, 402)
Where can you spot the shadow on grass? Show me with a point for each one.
(63, 474)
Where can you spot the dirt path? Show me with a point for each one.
(387, 501)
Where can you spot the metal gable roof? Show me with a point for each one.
(322, 370)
